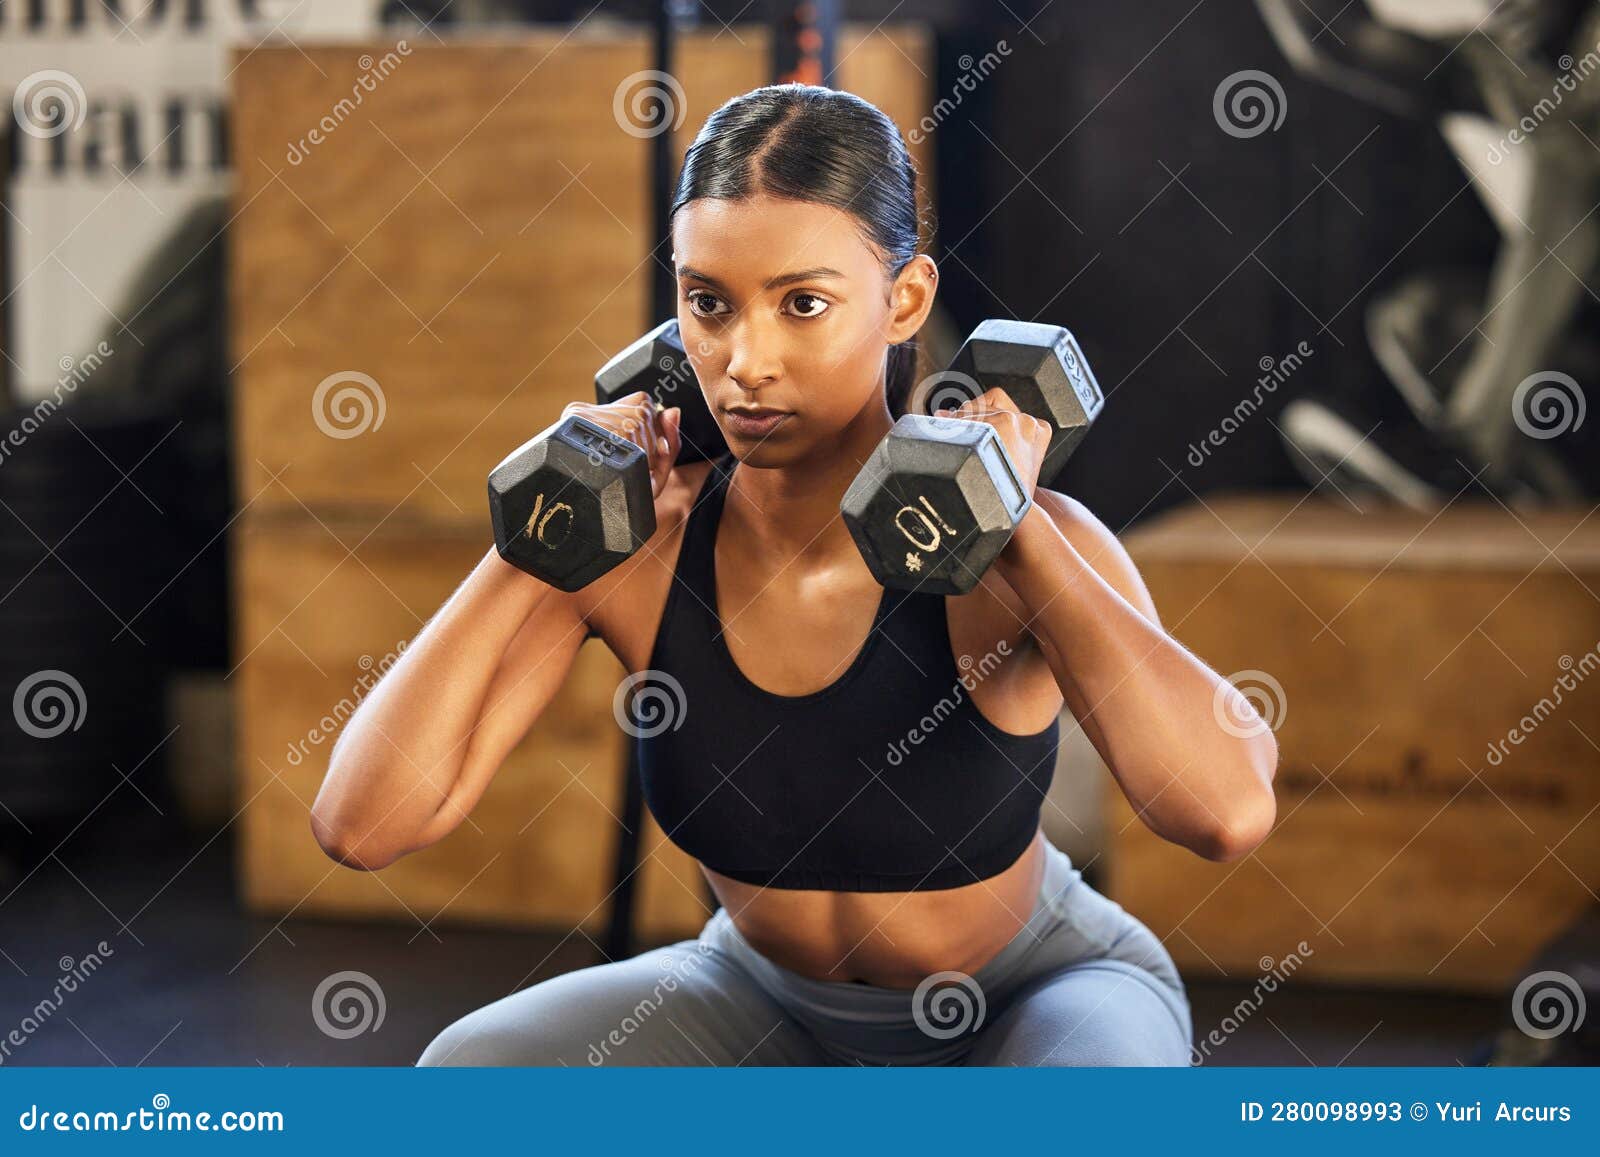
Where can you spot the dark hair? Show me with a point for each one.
(818, 144)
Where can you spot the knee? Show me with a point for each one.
(1148, 1033)
(1132, 1046)
(1102, 1015)
(476, 1041)
(1099, 1041)
(451, 1048)
(444, 1050)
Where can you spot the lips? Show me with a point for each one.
(755, 422)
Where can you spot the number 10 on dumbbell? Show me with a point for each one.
(571, 503)
(939, 498)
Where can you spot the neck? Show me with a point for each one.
(791, 512)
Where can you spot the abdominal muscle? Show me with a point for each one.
(888, 939)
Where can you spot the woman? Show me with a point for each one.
(887, 893)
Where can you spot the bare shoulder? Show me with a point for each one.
(1099, 546)
(623, 607)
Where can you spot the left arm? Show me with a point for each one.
(1151, 708)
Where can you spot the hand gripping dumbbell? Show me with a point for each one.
(575, 500)
(939, 498)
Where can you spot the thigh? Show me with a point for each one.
(1099, 1012)
(683, 1004)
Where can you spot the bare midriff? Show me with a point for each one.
(889, 939)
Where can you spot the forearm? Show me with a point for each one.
(400, 753)
(1151, 706)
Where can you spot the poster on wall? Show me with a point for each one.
(117, 131)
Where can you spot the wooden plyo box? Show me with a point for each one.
(1436, 690)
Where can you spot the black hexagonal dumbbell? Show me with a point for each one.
(939, 498)
(574, 501)
(1043, 371)
(658, 364)
(571, 503)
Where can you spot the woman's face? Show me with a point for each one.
(787, 314)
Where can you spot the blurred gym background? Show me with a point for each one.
(283, 281)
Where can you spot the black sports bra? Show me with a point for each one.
(887, 780)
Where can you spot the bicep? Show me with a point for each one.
(1100, 548)
(1110, 561)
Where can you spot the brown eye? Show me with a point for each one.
(697, 302)
(810, 305)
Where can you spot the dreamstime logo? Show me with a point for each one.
(947, 388)
(972, 71)
(348, 1004)
(48, 103)
(649, 702)
(1574, 73)
(1547, 1004)
(347, 404)
(1249, 103)
(601, 444)
(156, 1119)
(948, 1004)
(1273, 973)
(1260, 693)
(372, 72)
(74, 372)
(1547, 405)
(74, 973)
(678, 371)
(648, 103)
(972, 673)
(1542, 710)
(330, 723)
(49, 702)
(675, 372)
(674, 972)
(614, 449)
(1274, 372)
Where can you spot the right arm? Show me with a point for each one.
(420, 750)
(423, 745)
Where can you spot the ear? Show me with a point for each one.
(911, 298)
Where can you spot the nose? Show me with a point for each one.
(752, 354)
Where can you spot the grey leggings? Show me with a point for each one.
(1082, 983)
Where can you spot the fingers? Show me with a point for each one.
(654, 429)
(995, 403)
(672, 421)
(997, 399)
(992, 400)
(996, 407)
(666, 448)
(637, 418)
(638, 413)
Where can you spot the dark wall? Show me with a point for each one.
(1183, 299)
